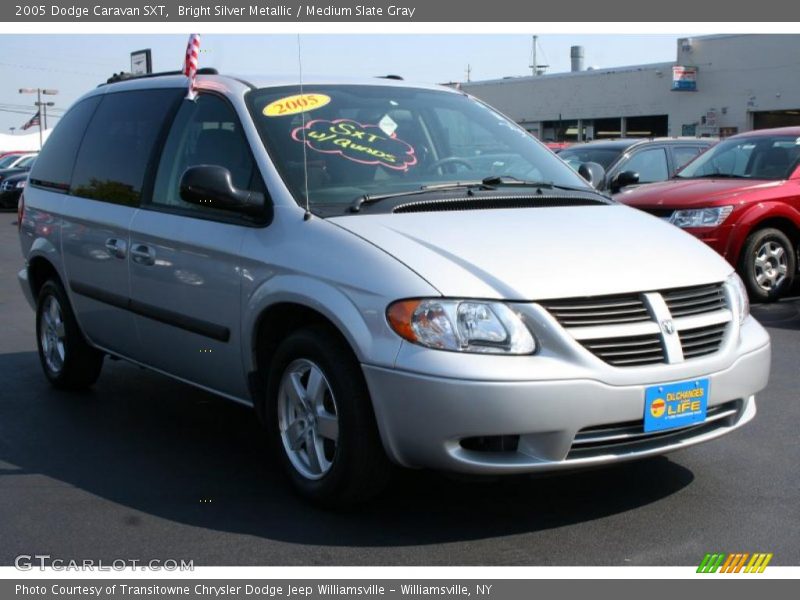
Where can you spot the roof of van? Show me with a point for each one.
(261, 81)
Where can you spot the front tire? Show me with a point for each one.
(768, 264)
(320, 420)
(68, 361)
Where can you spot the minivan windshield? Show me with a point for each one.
(752, 157)
(348, 141)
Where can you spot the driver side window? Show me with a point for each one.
(205, 132)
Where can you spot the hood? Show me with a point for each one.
(677, 193)
(541, 253)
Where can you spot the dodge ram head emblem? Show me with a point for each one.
(668, 327)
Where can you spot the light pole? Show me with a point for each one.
(11, 129)
(41, 106)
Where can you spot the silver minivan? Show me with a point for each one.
(390, 274)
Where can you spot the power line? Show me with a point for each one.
(25, 106)
(18, 66)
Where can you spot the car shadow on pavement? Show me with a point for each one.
(784, 314)
(168, 450)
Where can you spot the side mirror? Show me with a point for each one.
(623, 179)
(212, 185)
(592, 172)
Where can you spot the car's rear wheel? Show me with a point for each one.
(320, 418)
(68, 361)
(768, 264)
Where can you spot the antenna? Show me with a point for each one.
(307, 215)
(536, 68)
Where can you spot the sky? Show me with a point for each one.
(73, 64)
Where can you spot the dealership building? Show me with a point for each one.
(718, 85)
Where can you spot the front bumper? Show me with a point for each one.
(426, 421)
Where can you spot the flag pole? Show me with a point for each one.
(39, 107)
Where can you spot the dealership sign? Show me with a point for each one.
(684, 79)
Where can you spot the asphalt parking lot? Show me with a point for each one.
(144, 467)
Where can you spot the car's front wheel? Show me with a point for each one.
(768, 264)
(320, 417)
(67, 360)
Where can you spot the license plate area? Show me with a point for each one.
(673, 405)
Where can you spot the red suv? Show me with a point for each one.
(741, 197)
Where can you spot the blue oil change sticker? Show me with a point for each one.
(671, 405)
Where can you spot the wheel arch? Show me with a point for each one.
(40, 269)
(285, 303)
(767, 215)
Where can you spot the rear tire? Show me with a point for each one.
(320, 420)
(768, 264)
(68, 361)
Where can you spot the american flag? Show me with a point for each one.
(190, 63)
(34, 121)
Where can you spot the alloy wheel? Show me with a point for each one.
(52, 335)
(771, 265)
(308, 419)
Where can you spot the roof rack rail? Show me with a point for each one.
(395, 77)
(124, 76)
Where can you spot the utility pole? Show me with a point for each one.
(40, 106)
(469, 72)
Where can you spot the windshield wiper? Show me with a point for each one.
(425, 189)
(716, 176)
(487, 183)
(511, 181)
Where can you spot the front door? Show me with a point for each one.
(185, 262)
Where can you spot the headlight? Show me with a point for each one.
(701, 217)
(740, 299)
(21, 184)
(461, 326)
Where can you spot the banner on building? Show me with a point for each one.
(684, 79)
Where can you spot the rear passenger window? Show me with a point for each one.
(53, 168)
(120, 144)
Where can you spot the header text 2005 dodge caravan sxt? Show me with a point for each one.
(385, 271)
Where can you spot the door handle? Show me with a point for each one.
(143, 255)
(115, 247)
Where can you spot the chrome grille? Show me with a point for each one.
(702, 341)
(632, 351)
(630, 330)
(601, 439)
(695, 300)
(605, 310)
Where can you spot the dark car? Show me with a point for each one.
(22, 166)
(629, 162)
(10, 189)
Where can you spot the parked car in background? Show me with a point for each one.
(630, 162)
(21, 165)
(5, 153)
(10, 189)
(13, 159)
(742, 198)
(376, 278)
(558, 147)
